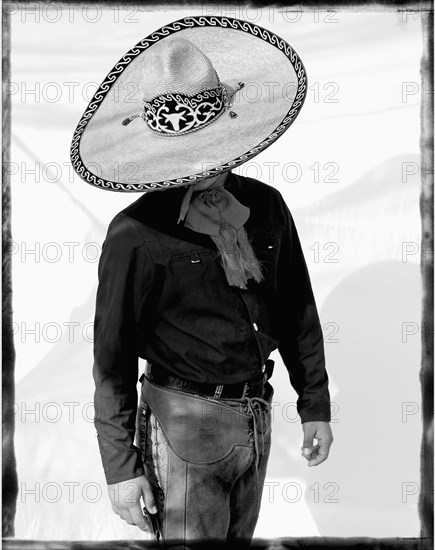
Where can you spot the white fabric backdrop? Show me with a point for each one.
(349, 171)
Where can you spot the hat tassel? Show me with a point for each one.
(229, 100)
(129, 119)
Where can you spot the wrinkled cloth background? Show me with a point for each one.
(349, 169)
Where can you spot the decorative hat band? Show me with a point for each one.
(176, 113)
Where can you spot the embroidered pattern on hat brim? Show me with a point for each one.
(164, 32)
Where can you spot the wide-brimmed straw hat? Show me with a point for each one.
(196, 98)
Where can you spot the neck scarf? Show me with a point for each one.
(209, 208)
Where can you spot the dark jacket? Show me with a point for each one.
(163, 296)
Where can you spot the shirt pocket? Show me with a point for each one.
(267, 251)
(189, 270)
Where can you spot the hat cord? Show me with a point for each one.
(227, 100)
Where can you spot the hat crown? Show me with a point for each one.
(168, 88)
(178, 66)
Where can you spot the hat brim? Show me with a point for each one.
(132, 158)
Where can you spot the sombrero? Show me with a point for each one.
(196, 98)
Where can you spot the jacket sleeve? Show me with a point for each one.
(301, 338)
(123, 273)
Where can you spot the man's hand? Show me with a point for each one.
(125, 498)
(321, 431)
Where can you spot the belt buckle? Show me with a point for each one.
(218, 390)
(245, 390)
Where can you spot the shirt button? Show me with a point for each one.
(255, 326)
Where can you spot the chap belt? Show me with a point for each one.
(252, 388)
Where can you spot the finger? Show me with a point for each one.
(148, 498)
(310, 453)
(317, 460)
(306, 453)
(125, 515)
(138, 518)
(322, 454)
(309, 433)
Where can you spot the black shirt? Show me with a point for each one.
(163, 296)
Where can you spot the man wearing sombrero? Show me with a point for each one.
(203, 277)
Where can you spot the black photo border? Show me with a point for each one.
(425, 505)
